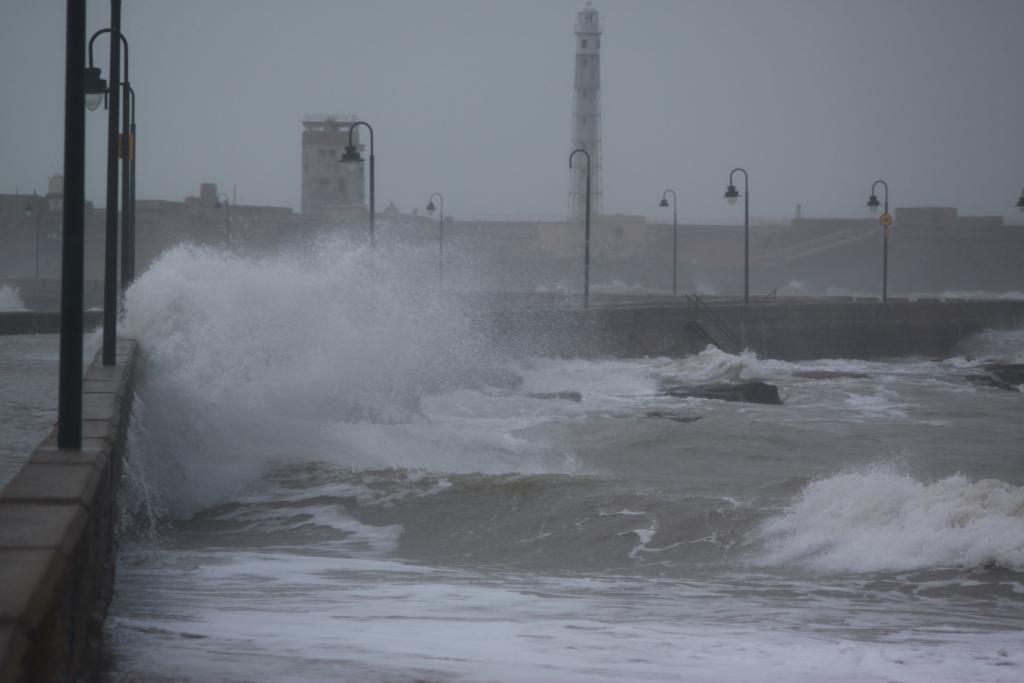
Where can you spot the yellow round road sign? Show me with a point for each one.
(885, 219)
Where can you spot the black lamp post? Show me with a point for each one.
(352, 155)
(128, 255)
(873, 205)
(586, 233)
(222, 201)
(1020, 202)
(430, 209)
(731, 195)
(675, 235)
(69, 394)
(110, 251)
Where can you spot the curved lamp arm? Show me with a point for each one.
(886, 186)
(585, 153)
(352, 128)
(124, 42)
(746, 178)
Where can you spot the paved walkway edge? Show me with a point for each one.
(57, 535)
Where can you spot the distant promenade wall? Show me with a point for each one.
(798, 330)
(32, 322)
(57, 523)
(44, 294)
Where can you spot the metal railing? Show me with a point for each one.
(726, 334)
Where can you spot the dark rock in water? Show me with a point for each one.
(1005, 376)
(562, 395)
(743, 392)
(675, 417)
(988, 381)
(830, 374)
(1011, 373)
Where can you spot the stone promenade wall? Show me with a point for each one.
(787, 331)
(31, 322)
(57, 524)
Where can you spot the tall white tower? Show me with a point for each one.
(586, 115)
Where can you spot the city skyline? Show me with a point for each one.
(475, 100)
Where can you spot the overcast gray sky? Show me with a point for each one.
(473, 98)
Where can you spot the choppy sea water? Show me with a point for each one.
(332, 487)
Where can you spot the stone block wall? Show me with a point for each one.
(57, 524)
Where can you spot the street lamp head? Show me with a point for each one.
(731, 195)
(873, 203)
(95, 88)
(351, 154)
(430, 207)
(663, 203)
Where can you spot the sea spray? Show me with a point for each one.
(10, 300)
(142, 506)
(251, 363)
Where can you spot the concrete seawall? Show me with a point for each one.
(43, 294)
(34, 322)
(801, 330)
(57, 523)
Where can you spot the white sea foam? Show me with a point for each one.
(714, 365)
(10, 301)
(880, 519)
(1005, 346)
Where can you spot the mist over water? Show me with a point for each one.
(332, 476)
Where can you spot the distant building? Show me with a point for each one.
(586, 116)
(55, 192)
(330, 190)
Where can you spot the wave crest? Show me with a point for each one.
(880, 520)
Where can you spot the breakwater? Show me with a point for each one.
(39, 322)
(788, 330)
(57, 523)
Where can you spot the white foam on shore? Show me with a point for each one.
(271, 617)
